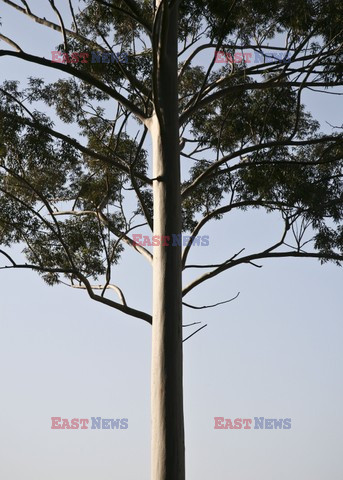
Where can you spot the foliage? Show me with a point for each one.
(247, 139)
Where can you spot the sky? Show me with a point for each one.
(274, 352)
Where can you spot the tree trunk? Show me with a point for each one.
(166, 368)
(168, 451)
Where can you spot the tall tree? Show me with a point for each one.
(189, 83)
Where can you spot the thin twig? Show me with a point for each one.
(196, 331)
(210, 306)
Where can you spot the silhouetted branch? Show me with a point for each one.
(210, 306)
(196, 331)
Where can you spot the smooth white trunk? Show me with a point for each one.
(168, 461)
(168, 451)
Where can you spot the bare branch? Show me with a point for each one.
(59, 16)
(143, 251)
(26, 6)
(248, 259)
(8, 257)
(122, 308)
(73, 15)
(191, 324)
(226, 209)
(118, 306)
(101, 287)
(196, 331)
(211, 306)
(10, 42)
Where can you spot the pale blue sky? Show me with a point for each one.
(274, 352)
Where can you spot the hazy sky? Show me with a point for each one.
(275, 352)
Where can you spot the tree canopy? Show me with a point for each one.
(246, 137)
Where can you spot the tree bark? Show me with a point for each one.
(166, 368)
(168, 451)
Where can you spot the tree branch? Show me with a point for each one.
(10, 42)
(240, 89)
(59, 16)
(210, 306)
(123, 236)
(82, 75)
(123, 166)
(227, 209)
(102, 287)
(196, 331)
(118, 306)
(265, 254)
(281, 143)
(136, 15)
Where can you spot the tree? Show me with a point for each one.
(244, 126)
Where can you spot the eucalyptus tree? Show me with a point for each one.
(237, 129)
